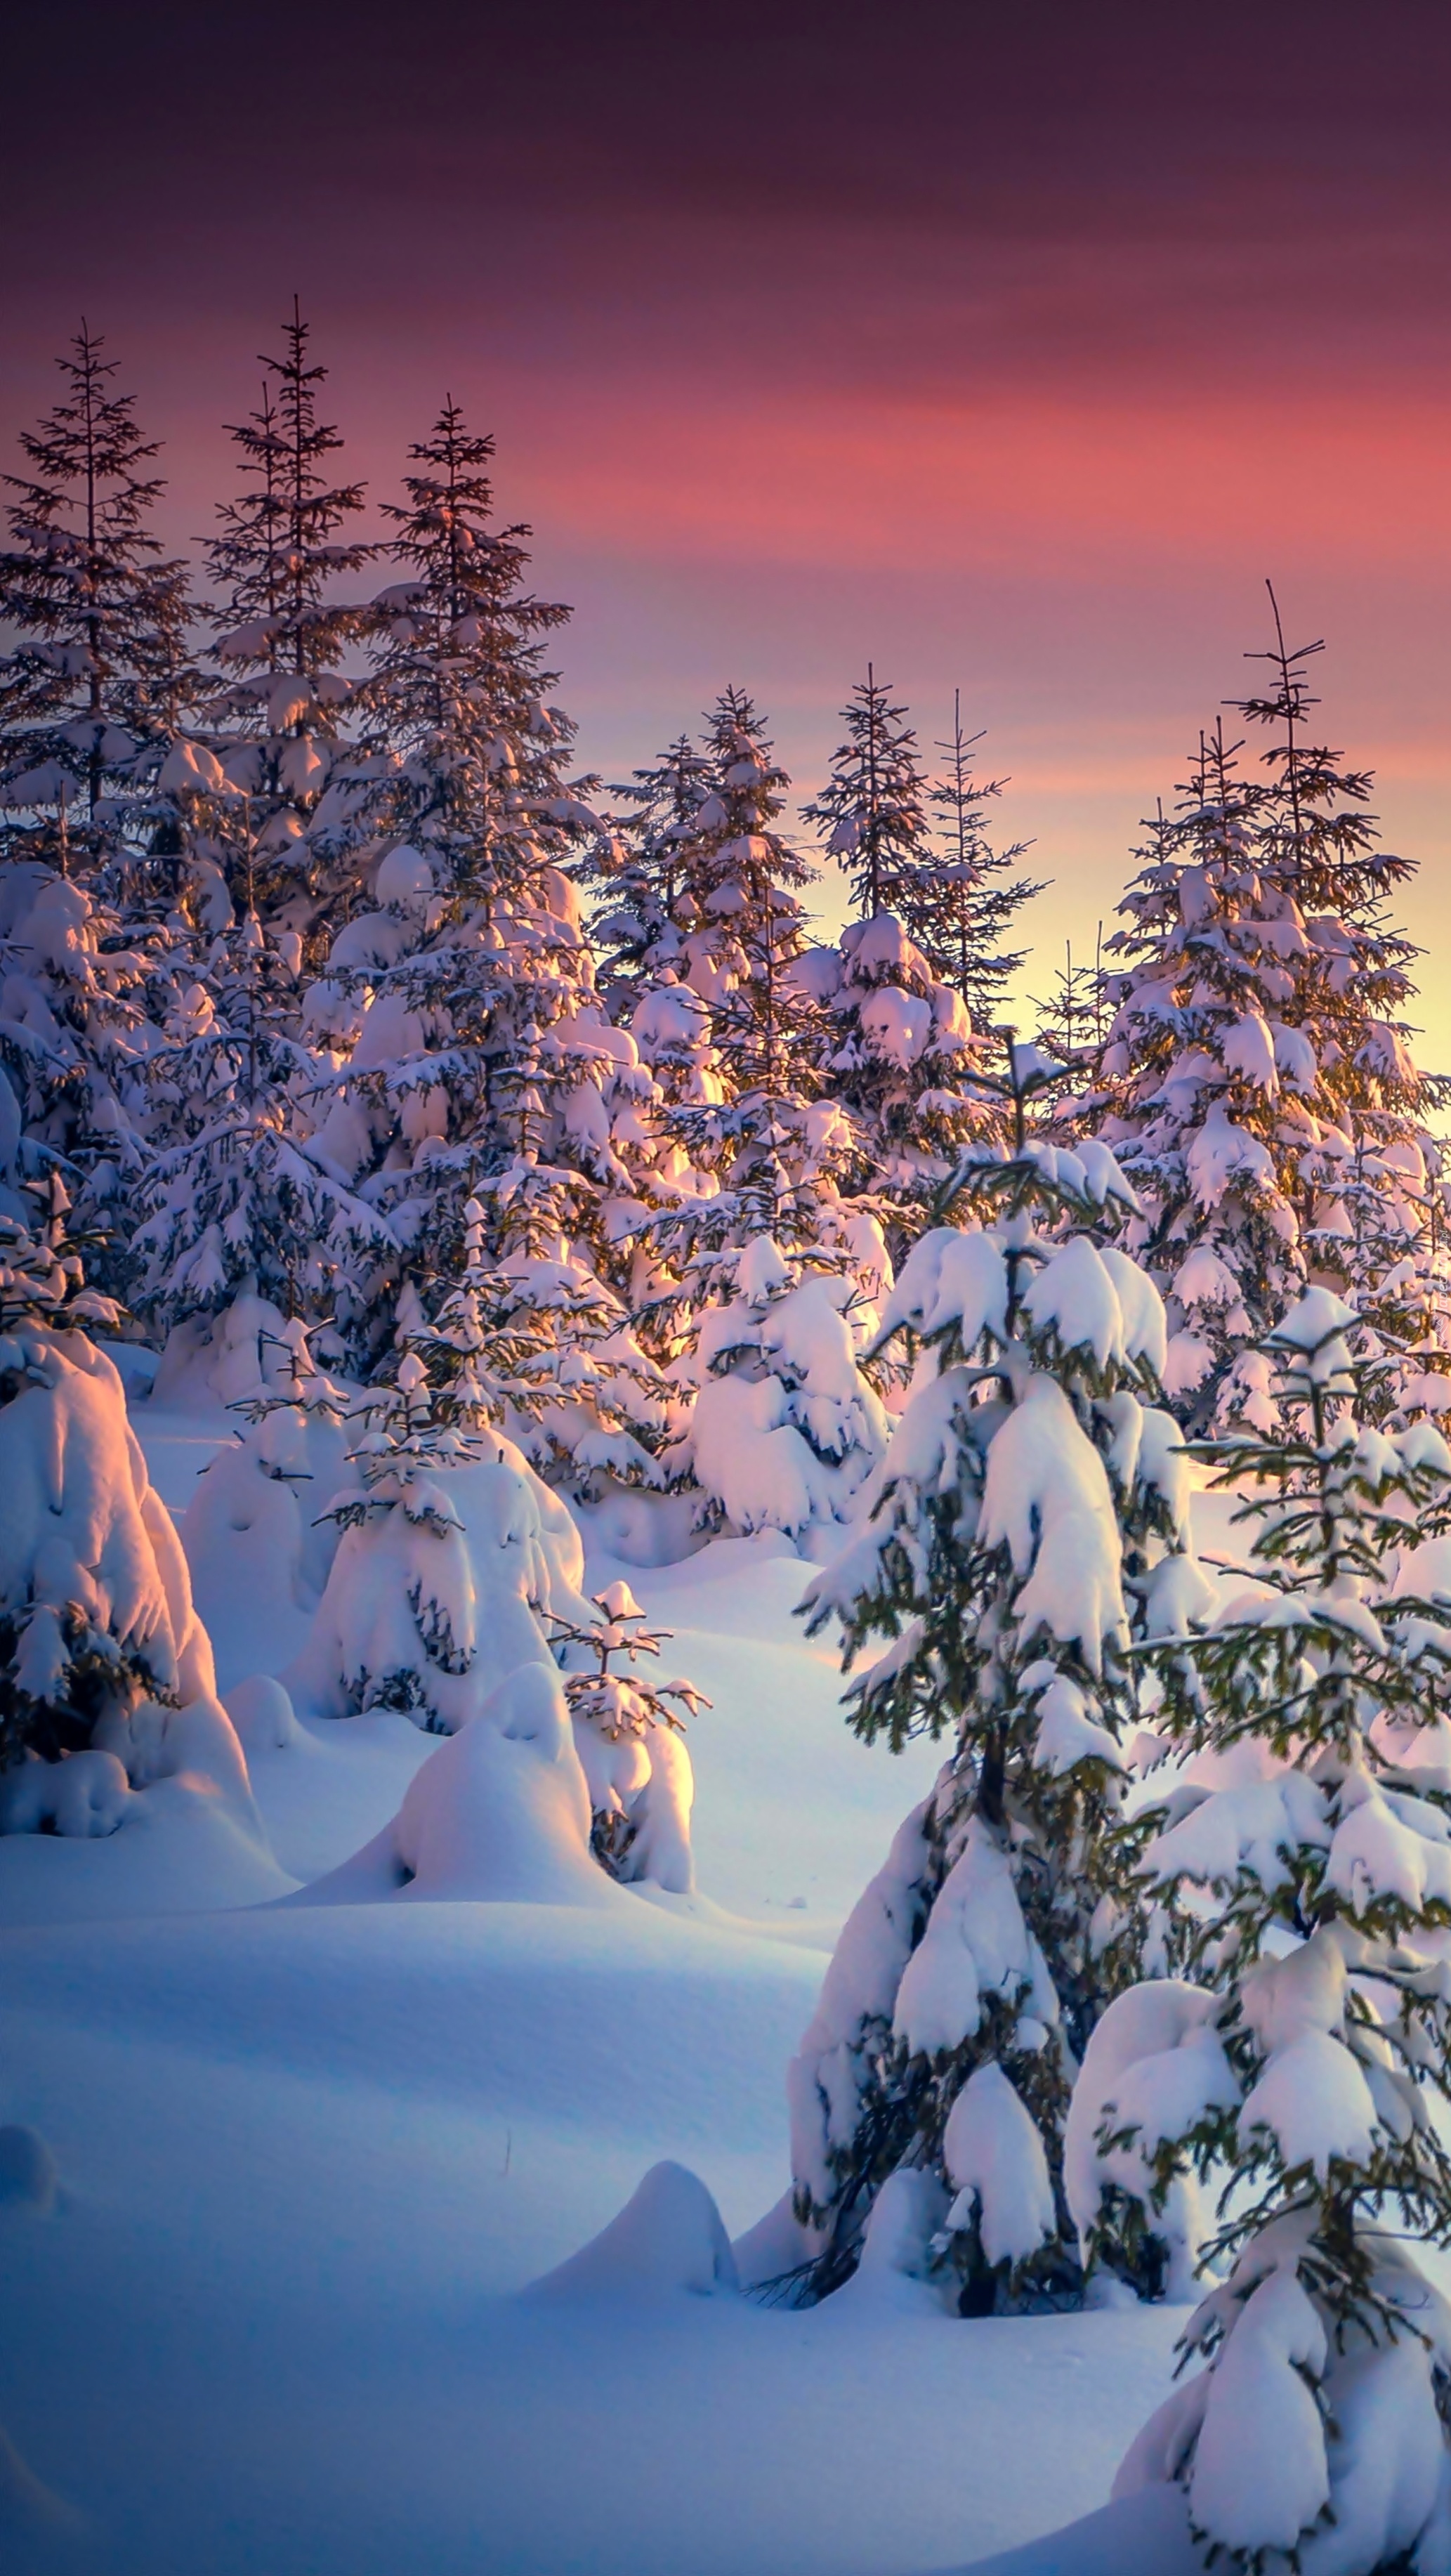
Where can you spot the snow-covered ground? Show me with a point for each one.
(309, 2157)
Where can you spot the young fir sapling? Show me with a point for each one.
(629, 1734)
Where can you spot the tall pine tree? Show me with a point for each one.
(872, 815)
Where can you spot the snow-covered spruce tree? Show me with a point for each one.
(533, 1342)
(478, 1080)
(649, 877)
(1257, 1082)
(64, 1660)
(962, 910)
(735, 899)
(1305, 1857)
(279, 717)
(629, 1732)
(1376, 1224)
(899, 1010)
(897, 1052)
(87, 691)
(784, 1427)
(755, 1257)
(1201, 1081)
(636, 874)
(91, 691)
(107, 1684)
(1029, 1515)
(872, 815)
(399, 1626)
(233, 1201)
(1072, 1017)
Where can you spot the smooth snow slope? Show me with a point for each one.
(309, 2157)
(305, 2158)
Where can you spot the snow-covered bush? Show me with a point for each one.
(630, 1734)
(405, 1621)
(1030, 1513)
(107, 1689)
(1306, 1855)
(455, 1566)
(84, 1626)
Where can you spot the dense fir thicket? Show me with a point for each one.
(325, 979)
(327, 982)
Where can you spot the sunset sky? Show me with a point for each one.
(1011, 347)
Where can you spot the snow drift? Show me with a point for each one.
(499, 1814)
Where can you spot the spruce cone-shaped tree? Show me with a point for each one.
(872, 815)
(753, 1152)
(280, 716)
(1030, 1515)
(1257, 1082)
(92, 690)
(962, 910)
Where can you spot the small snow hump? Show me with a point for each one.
(667, 2242)
(28, 2177)
(262, 1714)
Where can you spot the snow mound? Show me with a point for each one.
(28, 2177)
(262, 1714)
(668, 2241)
(500, 1814)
